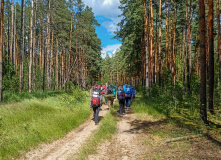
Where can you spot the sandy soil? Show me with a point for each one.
(67, 146)
(135, 139)
(125, 144)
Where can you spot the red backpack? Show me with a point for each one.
(104, 89)
(95, 99)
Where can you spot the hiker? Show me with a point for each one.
(114, 91)
(96, 101)
(128, 93)
(121, 97)
(104, 91)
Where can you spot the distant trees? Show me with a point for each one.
(161, 42)
(56, 45)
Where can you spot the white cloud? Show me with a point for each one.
(111, 49)
(108, 9)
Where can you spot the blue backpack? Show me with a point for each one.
(128, 91)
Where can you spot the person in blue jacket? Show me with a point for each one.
(128, 93)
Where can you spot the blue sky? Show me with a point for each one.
(106, 13)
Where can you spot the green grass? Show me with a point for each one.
(142, 106)
(105, 132)
(26, 124)
(18, 97)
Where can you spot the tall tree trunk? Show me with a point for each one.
(31, 47)
(146, 43)
(34, 56)
(219, 37)
(189, 49)
(151, 38)
(202, 26)
(159, 58)
(12, 34)
(56, 65)
(185, 50)
(167, 38)
(211, 57)
(15, 42)
(22, 45)
(1, 45)
(48, 47)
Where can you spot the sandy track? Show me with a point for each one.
(67, 146)
(124, 145)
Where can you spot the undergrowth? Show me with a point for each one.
(27, 123)
(173, 103)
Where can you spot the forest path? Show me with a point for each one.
(125, 143)
(64, 148)
(144, 137)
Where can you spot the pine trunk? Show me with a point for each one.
(151, 40)
(31, 47)
(15, 42)
(33, 52)
(12, 33)
(202, 27)
(146, 44)
(159, 54)
(167, 38)
(22, 46)
(219, 37)
(48, 48)
(211, 57)
(56, 69)
(1, 45)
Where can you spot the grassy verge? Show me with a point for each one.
(18, 97)
(159, 124)
(26, 124)
(105, 132)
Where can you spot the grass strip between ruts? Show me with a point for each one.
(25, 124)
(106, 130)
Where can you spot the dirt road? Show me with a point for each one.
(136, 138)
(67, 146)
(125, 144)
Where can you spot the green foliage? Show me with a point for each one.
(74, 96)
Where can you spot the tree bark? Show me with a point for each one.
(15, 42)
(202, 27)
(31, 47)
(211, 57)
(56, 69)
(146, 43)
(159, 56)
(48, 48)
(12, 34)
(219, 37)
(34, 42)
(22, 45)
(1, 45)
(151, 39)
(167, 38)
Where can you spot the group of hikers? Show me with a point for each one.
(125, 94)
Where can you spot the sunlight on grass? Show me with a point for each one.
(26, 124)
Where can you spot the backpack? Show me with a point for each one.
(110, 89)
(120, 94)
(104, 89)
(95, 99)
(128, 91)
